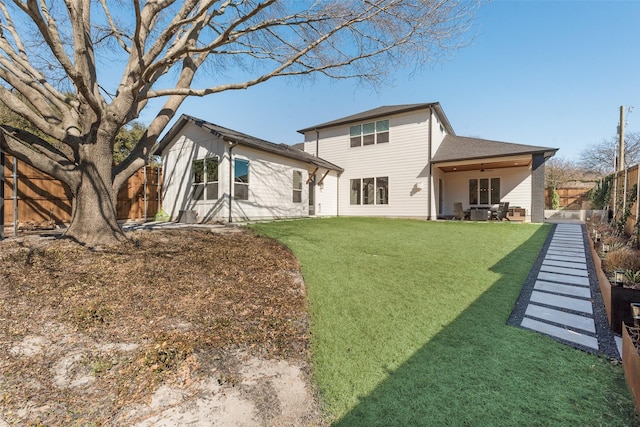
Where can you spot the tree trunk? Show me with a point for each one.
(94, 215)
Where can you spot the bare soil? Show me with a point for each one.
(181, 327)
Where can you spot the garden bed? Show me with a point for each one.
(631, 361)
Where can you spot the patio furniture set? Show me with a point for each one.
(482, 213)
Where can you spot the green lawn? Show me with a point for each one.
(409, 328)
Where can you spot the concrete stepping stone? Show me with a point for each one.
(567, 258)
(579, 255)
(561, 333)
(561, 317)
(568, 303)
(567, 264)
(570, 290)
(564, 278)
(568, 240)
(553, 247)
(564, 270)
(565, 245)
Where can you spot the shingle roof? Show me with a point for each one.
(383, 111)
(464, 148)
(244, 139)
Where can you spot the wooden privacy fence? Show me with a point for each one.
(624, 199)
(42, 198)
(574, 198)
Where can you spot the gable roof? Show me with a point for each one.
(464, 148)
(385, 111)
(245, 140)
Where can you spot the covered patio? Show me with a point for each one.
(482, 174)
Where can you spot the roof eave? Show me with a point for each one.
(544, 150)
(346, 120)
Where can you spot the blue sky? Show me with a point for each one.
(549, 73)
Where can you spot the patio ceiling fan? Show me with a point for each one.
(482, 169)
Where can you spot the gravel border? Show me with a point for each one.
(604, 334)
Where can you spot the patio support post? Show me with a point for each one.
(537, 188)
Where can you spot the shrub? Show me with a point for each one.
(621, 258)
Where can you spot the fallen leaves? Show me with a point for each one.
(162, 307)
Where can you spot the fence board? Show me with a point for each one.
(570, 198)
(41, 197)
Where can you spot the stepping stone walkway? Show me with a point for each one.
(561, 302)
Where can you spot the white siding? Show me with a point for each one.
(326, 200)
(270, 187)
(404, 159)
(192, 144)
(437, 134)
(515, 187)
(270, 180)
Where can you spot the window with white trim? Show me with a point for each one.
(241, 179)
(369, 133)
(297, 187)
(370, 191)
(205, 179)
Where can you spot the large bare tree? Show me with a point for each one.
(600, 158)
(58, 59)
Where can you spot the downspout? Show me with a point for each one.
(231, 145)
(430, 176)
(317, 143)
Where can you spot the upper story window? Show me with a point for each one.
(205, 179)
(369, 133)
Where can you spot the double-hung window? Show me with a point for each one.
(205, 179)
(297, 187)
(241, 179)
(369, 133)
(370, 191)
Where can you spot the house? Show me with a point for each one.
(217, 174)
(393, 161)
(407, 161)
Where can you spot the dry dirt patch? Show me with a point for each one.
(178, 327)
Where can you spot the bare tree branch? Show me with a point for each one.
(57, 69)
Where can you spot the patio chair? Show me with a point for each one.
(459, 212)
(501, 213)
